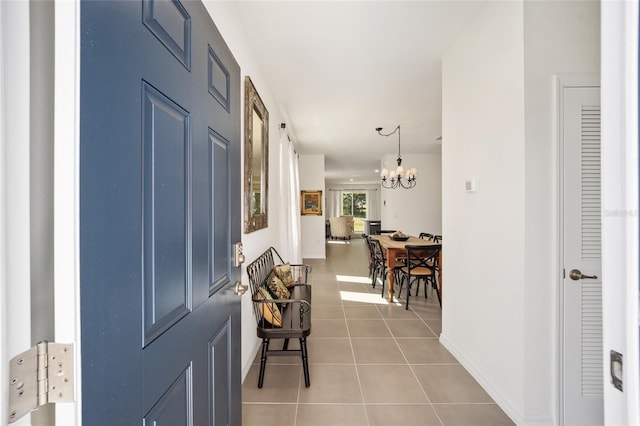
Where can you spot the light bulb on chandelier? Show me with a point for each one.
(396, 178)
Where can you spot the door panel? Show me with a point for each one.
(160, 132)
(166, 169)
(582, 298)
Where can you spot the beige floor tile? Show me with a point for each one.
(331, 415)
(355, 360)
(362, 312)
(427, 350)
(402, 415)
(269, 414)
(435, 325)
(326, 312)
(472, 415)
(450, 384)
(389, 384)
(332, 298)
(318, 275)
(409, 328)
(281, 383)
(324, 287)
(329, 350)
(392, 311)
(428, 310)
(332, 384)
(368, 328)
(376, 350)
(329, 328)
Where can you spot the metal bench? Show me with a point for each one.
(295, 312)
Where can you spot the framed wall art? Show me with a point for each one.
(311, 203)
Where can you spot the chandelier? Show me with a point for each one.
(394, 178)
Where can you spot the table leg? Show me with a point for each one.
(391, 280)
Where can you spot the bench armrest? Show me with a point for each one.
(287, 301)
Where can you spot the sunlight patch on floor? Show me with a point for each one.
(353, 279)
(371, 298)
(339, 242)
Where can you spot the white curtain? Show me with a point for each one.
(334, 203)
(373, 204)
(290, 199)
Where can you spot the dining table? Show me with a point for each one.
(396, 249)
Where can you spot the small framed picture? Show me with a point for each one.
(311, 203)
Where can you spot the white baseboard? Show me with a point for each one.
(503, 402)
(249, 362)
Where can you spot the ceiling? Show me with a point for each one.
(339, 69)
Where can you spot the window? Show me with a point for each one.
(355, 204)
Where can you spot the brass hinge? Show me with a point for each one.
(38, 376)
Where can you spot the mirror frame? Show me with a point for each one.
(253, 103)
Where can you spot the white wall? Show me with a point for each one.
(225, 17)
(313, 227)
(484, 238)
(418, 209)
(559, 37)
(498, 81)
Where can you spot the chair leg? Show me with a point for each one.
(382, 292)
(285, 345)
(374, 275)
(408, 292)
(263, 361)
(305, 361)
(426, 286)
(437, 291)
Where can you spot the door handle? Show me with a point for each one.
(576, 275)
(241, 288)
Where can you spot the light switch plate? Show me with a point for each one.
(471, 185)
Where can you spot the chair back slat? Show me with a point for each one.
(422, 256)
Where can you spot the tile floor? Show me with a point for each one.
(372, 363)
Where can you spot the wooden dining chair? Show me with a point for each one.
(370, 253)
(422, 265)
(379, 264)
(431, 237)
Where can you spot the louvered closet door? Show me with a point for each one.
(582, 304)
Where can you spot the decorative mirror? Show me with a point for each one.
(256, 159)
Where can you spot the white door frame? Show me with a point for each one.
(619, 58)
(66, 193)
(15, 282)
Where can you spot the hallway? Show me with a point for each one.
(371, 363)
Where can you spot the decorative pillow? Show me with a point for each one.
(284, 273)
(270, 311)
(277, 289)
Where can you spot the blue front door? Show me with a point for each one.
(159, 211)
